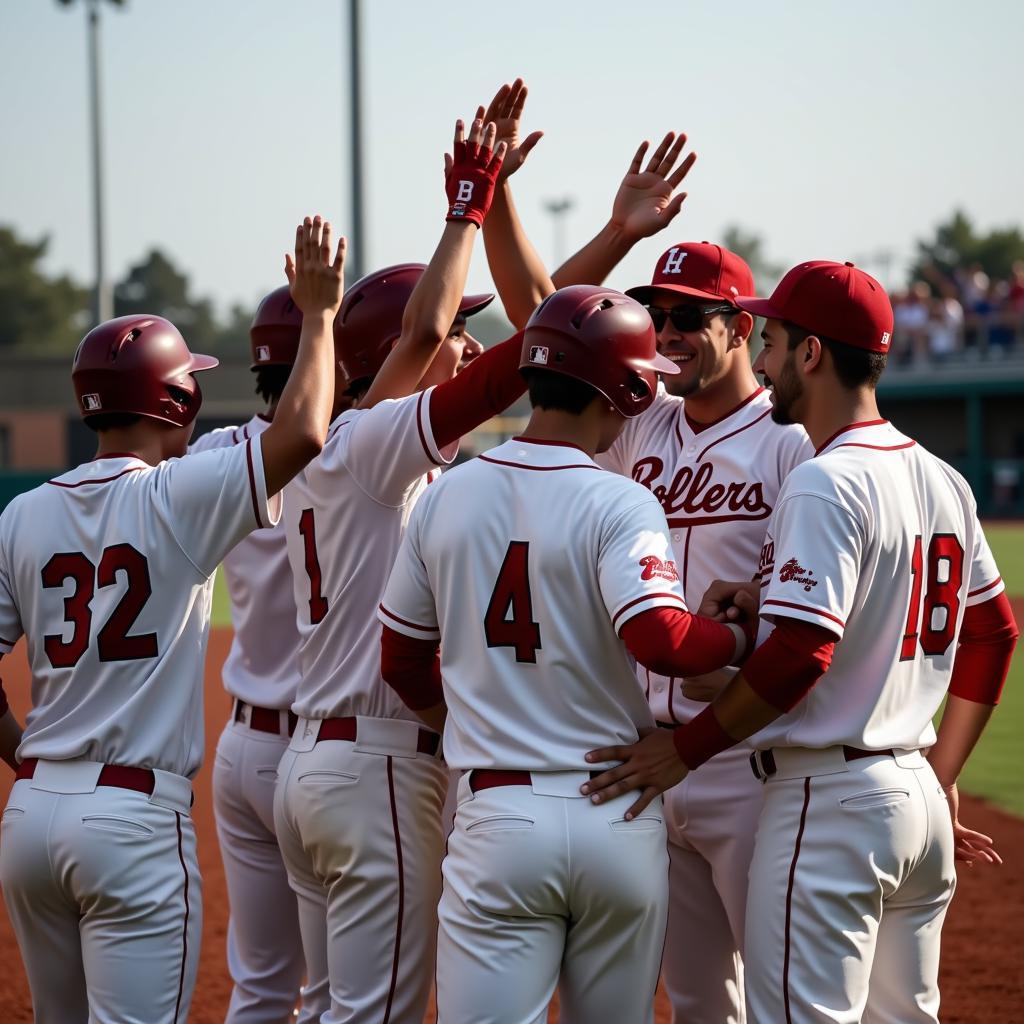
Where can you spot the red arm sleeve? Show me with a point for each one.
(672, 642)
(488, 386)
(988, 636)
(412, 668)
(785, 667)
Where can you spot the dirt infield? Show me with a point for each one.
(981, 976)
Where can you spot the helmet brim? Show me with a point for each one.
(471, 304)
(201, 362)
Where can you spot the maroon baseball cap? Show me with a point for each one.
(700, 270)
(836, 300)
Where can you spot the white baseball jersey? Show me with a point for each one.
(108, 571)
(262, 667)
(528, 561)
(878, 541)
(717, 484)
(344, 519)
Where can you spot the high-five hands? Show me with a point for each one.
(472, 172)
(316, 281)
(506, 111)
(645, 202)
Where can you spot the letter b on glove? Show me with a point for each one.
(465, 193)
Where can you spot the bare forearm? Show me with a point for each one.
(10, 738)
(741, 712)
(962, 724)
(434, 303)
(518, 271)
(596, 260)
(434, 717)
(303, 413)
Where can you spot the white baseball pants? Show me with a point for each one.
(102, 887)
(849, 884)
(711, 817)
(542, 889)
(265, 952)
(361, 821)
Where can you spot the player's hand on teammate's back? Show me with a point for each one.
(316, 280)
(650, 765)
(471, 171)
(506, 111)
(645, 203)
(731, 601)
(969, 845)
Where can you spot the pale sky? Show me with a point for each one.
(835, 130)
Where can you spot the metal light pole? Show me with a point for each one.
(103, 304)
(558, 208)
(356, 233)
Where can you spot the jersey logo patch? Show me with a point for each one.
(794, 572)
(655, 568)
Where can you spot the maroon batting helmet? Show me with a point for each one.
(275, 330)
(140, 365)
(370, 318)
(601, 337)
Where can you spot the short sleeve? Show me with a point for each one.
(984, 581)
(408, 603)
(816, 548)
(221, 437)
(389, 447)
(635, 567)
(10, 618)
(213, 499)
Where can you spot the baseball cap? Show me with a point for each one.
(700, 270)
(837, 300)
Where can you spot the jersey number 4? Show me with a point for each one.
(112, 641)
(945, 573)
(512, 592)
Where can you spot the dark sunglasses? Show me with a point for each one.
(688, 317)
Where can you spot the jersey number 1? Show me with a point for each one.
(317, 601)
(512, 591)
(945, 559)
(112, 641)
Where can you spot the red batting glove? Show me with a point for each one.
(470, 181)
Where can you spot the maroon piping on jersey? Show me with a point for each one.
(538, 469)
(640, 600)
(875, 447)
(738, 430)
(6, 643)
(419, 426)
(849, 426)
(252, 484)
(184, 930)
(98, 480)
(401, 891)
(789, 897)
(970, 593)
(805, 608)
(116, 455)
(550, 444)
(405, 622)
(699, 428)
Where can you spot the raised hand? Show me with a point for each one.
(645, 202)
(471, 172)
(316, 281)
(506, 111)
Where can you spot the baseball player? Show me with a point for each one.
(712, 455)
(264, 946)
(540, 575)
(107, 570)
(875, 575)
(361, 787)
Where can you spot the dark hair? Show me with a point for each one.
(557, 391)
(270, 381)
(855, 367)
(102, 421)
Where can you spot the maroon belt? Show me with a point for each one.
(120, 775)
(762, 762)
(491, 778)
(264, 719)
(346, 728)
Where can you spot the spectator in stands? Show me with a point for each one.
(945, 326)
(911, 312)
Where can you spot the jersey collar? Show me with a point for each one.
(531, 453)
(879, 435)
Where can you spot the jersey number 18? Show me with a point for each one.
(945, 573)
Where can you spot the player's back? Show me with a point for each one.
(535, 558)
(107, 570)
(912, 556)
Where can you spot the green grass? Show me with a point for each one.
(221, 614)
(996, 768)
